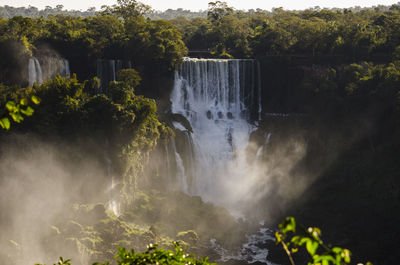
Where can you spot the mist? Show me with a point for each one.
(39, 183)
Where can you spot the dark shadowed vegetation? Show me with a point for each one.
(332, 74)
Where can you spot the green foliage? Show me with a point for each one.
(17, 111)
(155, 255)
(160, 210)
(217, 10)
(71, 109)
(292, 235)
(96, 231)
(311, 32)
(127, 9)
(170, 14)
(129, 77)
(33, 12)
(158, 41)
(144, 42)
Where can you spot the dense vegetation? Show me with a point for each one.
(84, 40)
(153, 255)
(348, 34)
(114, 126)
(339, 70)
(349, 114)
(124, 128)
(34, 12)
(344, 33)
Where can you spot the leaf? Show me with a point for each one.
(324, 257)
(23, 102)
(346, 255)
(336, 250)
(312, 247)
(10, 105)
(304, 240)
(288, 225)
(35, 99)
(17, 117)
(5, 123)
(295, 239)
(28, 111)
(278, 237)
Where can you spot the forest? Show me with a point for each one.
(103, 139)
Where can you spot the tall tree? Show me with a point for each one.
(217, 10)
(126, 9)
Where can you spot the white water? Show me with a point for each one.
(252, 251)
(35, 72)
(218, 97)
(260, 150)
(66, 70)
(52, 66)
(112, 203)
(181, 172)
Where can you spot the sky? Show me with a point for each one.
(201, 4)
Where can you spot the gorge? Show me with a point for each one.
(291, 113)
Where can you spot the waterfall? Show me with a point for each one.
(35, 71)
(168, 161)
(181, 177)
(220, 99)
(50, 67)
(261, 148)
(107, 71)
(112, 203)
(66, 70)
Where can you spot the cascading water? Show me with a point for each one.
(252, 251)
(112, 201)
(222, 101)
(261, 148)
(219, 98)
(35, 71)
(52, 66)
(66, 71)
(107, 69)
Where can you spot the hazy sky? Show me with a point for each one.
(201, 4)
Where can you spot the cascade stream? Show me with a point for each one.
(222, 101)
(50, 67)
(107, 71)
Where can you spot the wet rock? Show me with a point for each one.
(182, 120)
(189, 236)
(209, 115)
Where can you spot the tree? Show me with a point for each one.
(217, 10)
(154, 42)
(59, 7)
(126, 9)
(130, 77)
